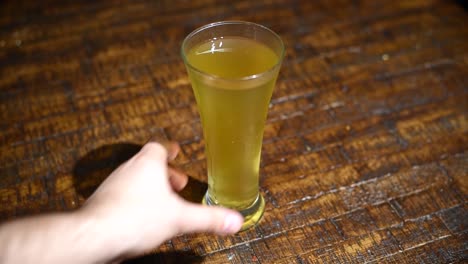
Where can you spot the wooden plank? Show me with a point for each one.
(364, 156)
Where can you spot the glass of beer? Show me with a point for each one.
(233, 67)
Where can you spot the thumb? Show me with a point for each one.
(202, 218)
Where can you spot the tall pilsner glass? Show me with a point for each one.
(233, 67)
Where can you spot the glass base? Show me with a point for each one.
(251, 214)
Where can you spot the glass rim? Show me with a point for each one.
(232, 22)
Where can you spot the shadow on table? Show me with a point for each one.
(462, 3)
(186, 257)
(92, 169)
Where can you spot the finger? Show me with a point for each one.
(201, 218)
(172, 147)
(177, 178)
(154, 150)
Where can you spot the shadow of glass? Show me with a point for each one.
(176, 257)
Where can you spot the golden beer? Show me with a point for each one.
(233, 79)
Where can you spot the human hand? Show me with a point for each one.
(139, 209)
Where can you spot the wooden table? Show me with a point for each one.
(365, 149)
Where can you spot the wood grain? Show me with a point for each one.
(365, 148)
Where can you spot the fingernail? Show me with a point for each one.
(232, 223)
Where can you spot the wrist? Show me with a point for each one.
(102, 237)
